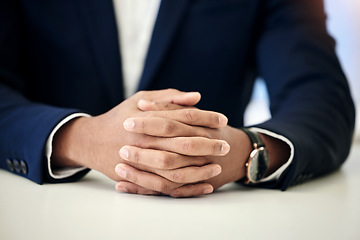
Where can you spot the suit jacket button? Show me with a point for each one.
(23, 166)
(10, 165)
(17, 166)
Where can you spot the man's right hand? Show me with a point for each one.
(95, 142)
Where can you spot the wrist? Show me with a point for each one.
(240, 150)
(66, 143)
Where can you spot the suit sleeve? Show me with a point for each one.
(24, 125)
(310, 101)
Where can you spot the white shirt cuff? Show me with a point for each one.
(61, 173)
(276, 175)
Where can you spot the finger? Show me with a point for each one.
(192, 190)
(128, 187)
(145, 179)
(187, 174)
(191, 116)
(188, 146)
(172, 96)
(187, 99)
(191, 146)
(159, 159)
(162, 127)
(145, 105)
(190, 174)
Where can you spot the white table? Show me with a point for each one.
(325, 208)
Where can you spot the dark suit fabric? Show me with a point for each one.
(60, 57)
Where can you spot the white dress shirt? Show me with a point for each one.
(135, 21)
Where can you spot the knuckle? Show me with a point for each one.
(177, 177)
(215, 120)
(216, 147)
(161, 186)
(169, 127)
(141, 123)
(188, 146)
(190, 115)
(164, 161)
(164, 106)
(136, 157)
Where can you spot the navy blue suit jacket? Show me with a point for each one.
(60, 57)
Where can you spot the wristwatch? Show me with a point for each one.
(258, 162)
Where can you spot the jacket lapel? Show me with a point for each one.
(169, 18)
(100, 24)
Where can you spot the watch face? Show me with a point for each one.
(258, 164)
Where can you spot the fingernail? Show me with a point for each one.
(208, 190)
(120, 171)
(223, 120)
(124, 153)
(216, 171)
(123, 189)
(120, 188)
(129, 124)
(225, 148)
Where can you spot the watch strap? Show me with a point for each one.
(254, 138)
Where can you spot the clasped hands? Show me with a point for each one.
(158, 144)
